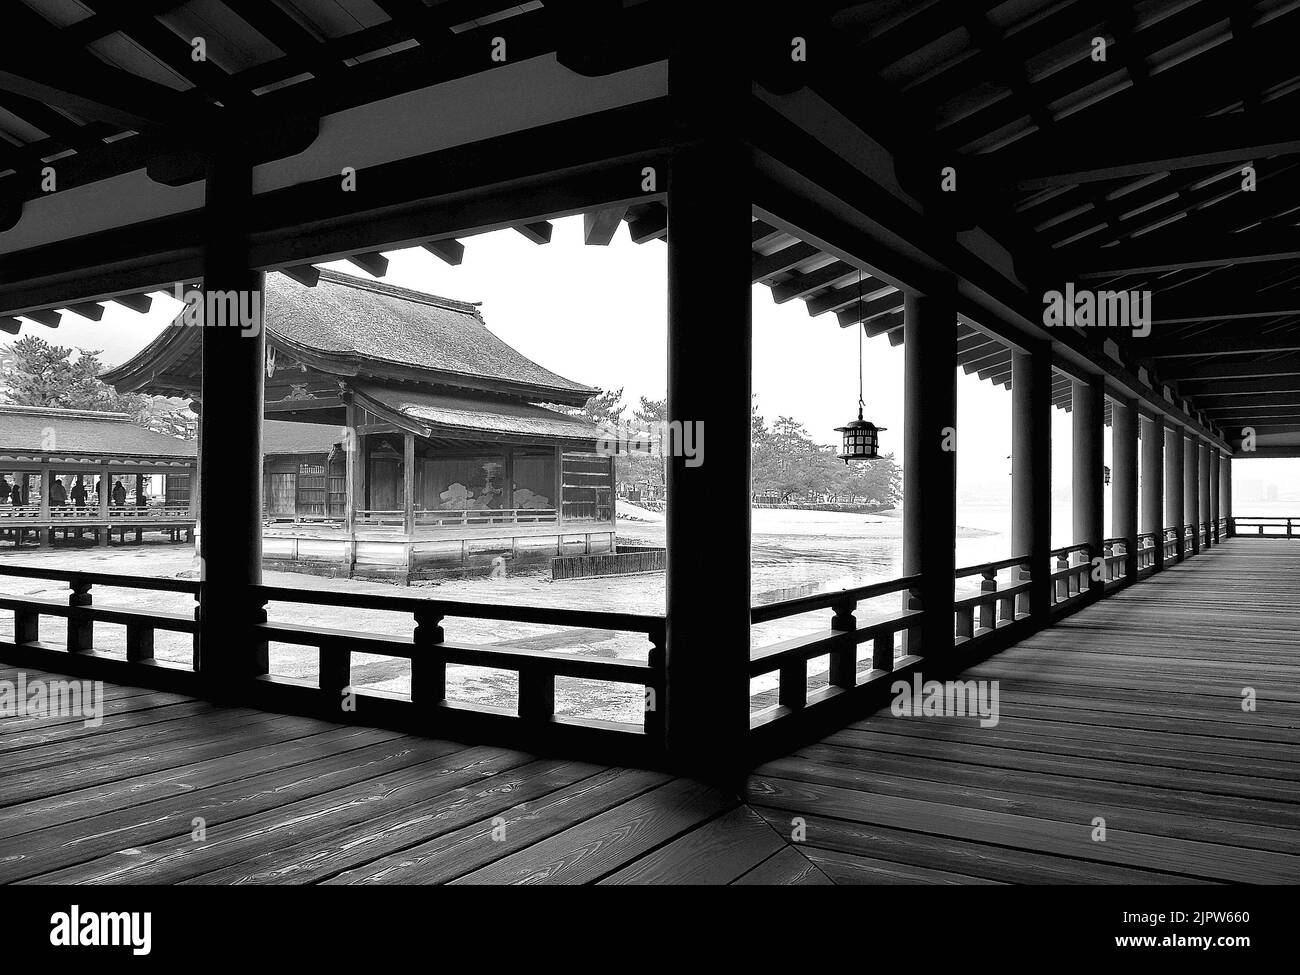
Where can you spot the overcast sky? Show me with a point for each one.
(597, 315)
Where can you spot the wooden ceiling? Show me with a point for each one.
(1123, 173)
(1115, 172)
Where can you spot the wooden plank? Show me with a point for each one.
(788, 868)
(610, 840)
(720, 852)
(519, 827)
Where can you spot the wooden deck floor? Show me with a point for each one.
(1129, 711)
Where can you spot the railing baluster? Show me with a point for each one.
(655, 704)
(335, 670)
(844, 657)
(139, 643)
(81, 631)
(536, 694)
(27, 626)
(428, 667)
(988, 610)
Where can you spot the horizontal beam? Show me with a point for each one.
(1236, 342)
(1047, 163)
(1181, 252)
(1175, 369)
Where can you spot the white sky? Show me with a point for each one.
(597, 315)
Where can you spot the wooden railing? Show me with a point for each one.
(788, 659)
(1146, 551)
(1071, 573)
(82, 613)
(992, 607)
(439, 518)
(430, 653)
(91, 513)
(1170, 542)
(1114, 560)
(1267, 526)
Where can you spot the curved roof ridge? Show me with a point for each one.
(397, 291)
(64, 412)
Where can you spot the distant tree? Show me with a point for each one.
(43, 374)
(787, 464)
(605, 409)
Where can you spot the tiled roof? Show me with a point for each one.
(454, 415)
(48, 430)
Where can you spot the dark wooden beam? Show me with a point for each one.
(1217, 306)
(764, 266)
(88, 309)
(1230, 387)
(538, 233)
(1176, 369)
(373, 262)
(138, 303)
(802, 285)
(848, 297)
(1236, 342)
(651, 223)
(870, 309)
(448, 249)
(1050, 160)
(599, 226)
(307, 274)
(45, 316)
(1191, 251)
(10, 325)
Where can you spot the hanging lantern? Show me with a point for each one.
(861, 437)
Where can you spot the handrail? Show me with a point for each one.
(107, 579)
(826, 600)
(1009, 563)
(636, 622)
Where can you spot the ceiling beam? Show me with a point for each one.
(1236, 342)
(599, 226)
(539, 232)
(1183, 251)
(1053, 160)
(1177, 370)
(448, 249)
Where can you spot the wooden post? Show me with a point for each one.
(230, 450)
(709, 210)
(1153, 478)
(1191, 488)
(1225, 492)
(930, 471)
(105, 493)
(45, 533)
(1124, 480)
(1031, 475)
(1087, 406)
(408, 484)
(1175, 480)
(1214, 493)
(1203, 492)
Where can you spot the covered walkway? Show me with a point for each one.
(1129, 711)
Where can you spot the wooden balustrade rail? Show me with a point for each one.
(992, 607)
(1268, 526)
(1072, 572)
(82, 613)
(840, 642)
(430, 653)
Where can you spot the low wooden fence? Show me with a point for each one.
(1262, 526)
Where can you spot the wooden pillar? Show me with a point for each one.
(709, 211)
(1191, 491)
(196, 510)
(105, 494)
(930, 462)
(1124, 479)
(1214, 493)
(45, 534)
(408, 484)
(1225, 491)
(1031, 474)
(1153, 478)
(1087, 407)
(1203, 492)
(1175, 480)
(230, 446)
